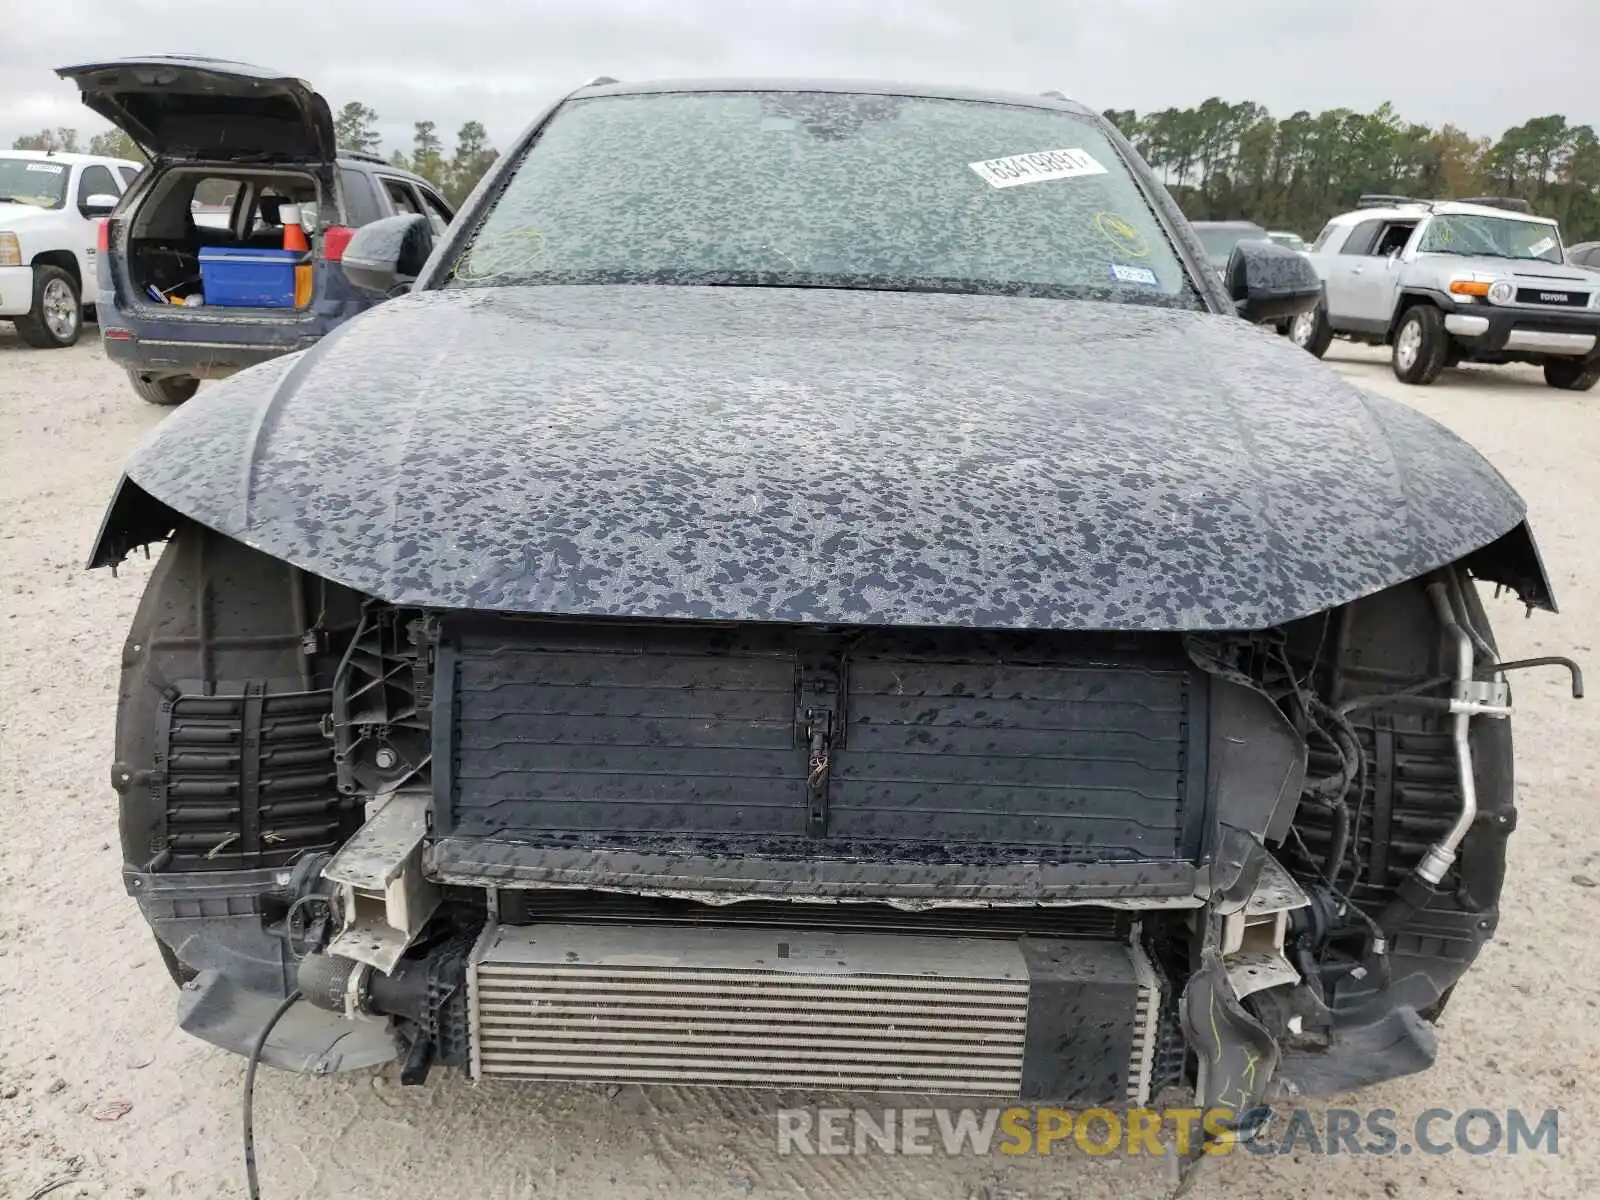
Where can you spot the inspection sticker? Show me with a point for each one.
(1037, 167)
(47, 168)
(1542, 246)
(1142, 275)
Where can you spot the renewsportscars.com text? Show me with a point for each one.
(1100, 1131)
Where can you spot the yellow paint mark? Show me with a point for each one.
(1123, 234)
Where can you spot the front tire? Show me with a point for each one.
(1571, 375)
(1421, 345)
(165, 390)
(1311, 332)
(56, 318)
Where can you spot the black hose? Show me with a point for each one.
(252, 1186)
(1384, 699)
(1411, 896)
(1554, 660)
(1333, 792)
(1432, 703)
(1463, 618)
(1338, 839)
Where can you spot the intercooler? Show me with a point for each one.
(807, 1008)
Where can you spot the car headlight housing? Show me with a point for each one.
(10, 250)
(1502, 292)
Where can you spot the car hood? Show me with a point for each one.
(825, 456)
(1550, 274)
(13, 214)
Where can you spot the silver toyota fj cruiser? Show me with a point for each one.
(1446, 282)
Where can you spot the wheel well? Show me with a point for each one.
(1408, 301)
(64, 259)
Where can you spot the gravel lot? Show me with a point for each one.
(100, 1093)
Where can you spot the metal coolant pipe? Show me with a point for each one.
(1437, 861)
(1468, 699)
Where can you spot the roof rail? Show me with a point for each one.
(364, 156)
(1509, 203)
(1380, 200)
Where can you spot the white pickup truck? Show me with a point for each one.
(49, 203)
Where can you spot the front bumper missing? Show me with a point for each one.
(1044, 1016)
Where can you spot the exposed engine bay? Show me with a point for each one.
(1063, 866)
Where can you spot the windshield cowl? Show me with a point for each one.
(843, 282)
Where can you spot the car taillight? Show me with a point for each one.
(102, 233)
(334, 239)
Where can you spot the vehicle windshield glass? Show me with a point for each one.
(1219, 243)
(825, 189)
(1495, 237)
(33, 181)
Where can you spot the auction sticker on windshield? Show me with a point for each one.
(1038, 167)
(46, 168)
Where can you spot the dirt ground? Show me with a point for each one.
(101, 1096)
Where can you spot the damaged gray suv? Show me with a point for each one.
(818, 586)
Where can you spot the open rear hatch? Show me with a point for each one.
(180, 107)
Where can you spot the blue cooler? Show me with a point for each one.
(244, 277)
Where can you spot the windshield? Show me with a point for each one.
(824, 189)
(1220, 241)
(33, 181)
(1292, 240)
(1494, 237)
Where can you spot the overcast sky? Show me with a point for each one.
(1481, 64)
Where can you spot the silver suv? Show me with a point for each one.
(1445, 282)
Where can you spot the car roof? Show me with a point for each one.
(357, 163)
(1437, 208)
(63, 156)
(364, 162)
(870, 87)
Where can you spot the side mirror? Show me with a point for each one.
(388, 254)
(1269, 282)
(98, 205)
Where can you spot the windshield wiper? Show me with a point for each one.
(1495, 254)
